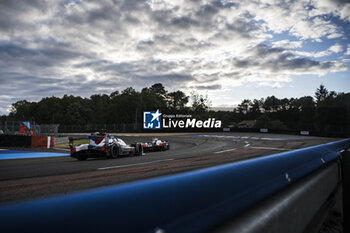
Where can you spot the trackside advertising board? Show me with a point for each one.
(157, 120)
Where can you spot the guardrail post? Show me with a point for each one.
(346, 190)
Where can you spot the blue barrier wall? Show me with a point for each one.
(194, 201)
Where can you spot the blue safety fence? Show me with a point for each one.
(195, 201)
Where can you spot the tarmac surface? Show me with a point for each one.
(28, 178)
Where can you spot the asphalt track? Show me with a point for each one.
(26, 178)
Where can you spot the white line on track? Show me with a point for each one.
(223, 151)
(246, 145)
(135, 164)
(269, 148)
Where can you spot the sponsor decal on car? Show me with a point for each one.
(155, 120)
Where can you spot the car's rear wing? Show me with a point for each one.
(71, 142)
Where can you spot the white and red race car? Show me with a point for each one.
(155, 145)
(103, 145)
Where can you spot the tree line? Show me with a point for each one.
(117, 108)
(327, 112)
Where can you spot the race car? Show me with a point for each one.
(103, 146)
(156, 145)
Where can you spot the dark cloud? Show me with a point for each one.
(145, 45)
(16, 14)
(207, 78)
(184, 22)
(134, 68)
(207, 10)
(33, 88)
(264, 50)
(167, 44)
(166, 78)
(242, 63)
(132, 5)
(278, 60)
(225, 4)
(207, 87)
(93, 64)
(37, 61)
(296, 64)
(161, 17)
(243, 28)
(12, 79)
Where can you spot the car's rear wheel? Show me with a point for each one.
(140, 149)
(114, 152)
(82, 157)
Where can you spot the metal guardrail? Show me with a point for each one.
(301, 207)
(195, 201)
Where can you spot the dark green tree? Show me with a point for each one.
(321, 94)
(200, 103)
(177, 100)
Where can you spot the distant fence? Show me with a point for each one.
(99, 127)
(10, 127)
(14, 128)
(47, 129)
(196, 201)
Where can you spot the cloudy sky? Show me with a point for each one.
(229, 50)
